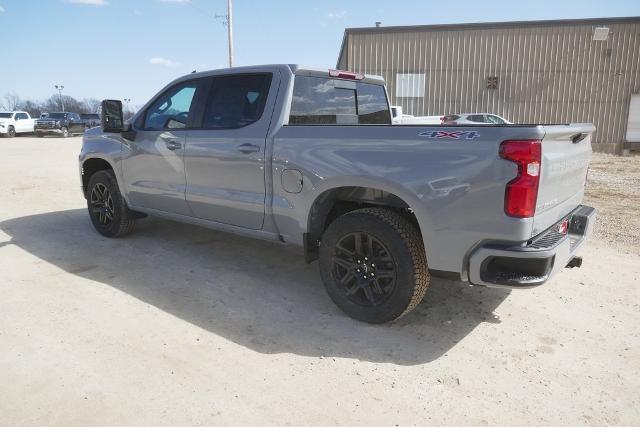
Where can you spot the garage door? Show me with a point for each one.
(633, 124)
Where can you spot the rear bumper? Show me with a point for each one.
(531, 263)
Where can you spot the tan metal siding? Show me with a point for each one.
(547, 73)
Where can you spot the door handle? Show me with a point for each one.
(173, 145)
(247, 148)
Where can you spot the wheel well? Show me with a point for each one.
(338, 201)
(91, 166)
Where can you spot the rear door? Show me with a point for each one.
(566, 152)
(75, 123)
(225, 154)
(23, 124)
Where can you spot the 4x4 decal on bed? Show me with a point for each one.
(457, 134)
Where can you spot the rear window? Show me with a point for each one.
(89, 116)
(325, 101)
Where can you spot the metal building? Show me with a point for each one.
(562, 71)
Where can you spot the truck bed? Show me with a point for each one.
(452, 177)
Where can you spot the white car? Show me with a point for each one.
(474, 119)
(15, 122)
(399, 118)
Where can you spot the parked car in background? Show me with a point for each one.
(399, 118)
(90, 120)
(309, 157)
(474, 119)
(15, 122)
(44, 115)
(61, 124)
(397, 115)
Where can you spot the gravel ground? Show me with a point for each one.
(613, 187)
(179, 325)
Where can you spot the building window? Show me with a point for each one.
(410, 85)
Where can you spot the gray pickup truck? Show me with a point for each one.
(309, 157)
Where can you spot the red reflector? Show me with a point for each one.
(346, 75)
(563, 227)
(521, 193)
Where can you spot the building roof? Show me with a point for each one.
(484, 25)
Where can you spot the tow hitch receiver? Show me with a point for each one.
(576, 261)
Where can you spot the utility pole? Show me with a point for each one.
(230, 30)
(60, 87)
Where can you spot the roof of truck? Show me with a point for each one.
(292, 68)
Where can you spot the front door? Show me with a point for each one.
(153, 164)
(225, 155)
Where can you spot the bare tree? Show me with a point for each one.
(91, 105)
(11, 101)
(34, 108)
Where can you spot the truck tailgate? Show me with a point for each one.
(566, 151)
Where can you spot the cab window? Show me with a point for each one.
(236, 101)
(478, 118)
(173, 109)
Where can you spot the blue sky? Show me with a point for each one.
(131, 48)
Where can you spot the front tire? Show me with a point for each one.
(11, 132)
(107, 208)
(373, 264)
(65, 132)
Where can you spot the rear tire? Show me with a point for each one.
(107, 208)
(65, 132)
(39, 135)
(383, 277)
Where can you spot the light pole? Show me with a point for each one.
(230, 30)
(60, 87)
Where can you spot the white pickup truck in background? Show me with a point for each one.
(15, 122)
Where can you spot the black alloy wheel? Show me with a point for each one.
(101, 203)
(373, 264)
(365, 269)
(107, 208)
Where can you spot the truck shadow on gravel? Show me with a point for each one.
(257, 294)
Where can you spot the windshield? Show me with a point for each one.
(57, 115)
(5, 115)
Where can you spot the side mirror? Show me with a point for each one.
(112, 117)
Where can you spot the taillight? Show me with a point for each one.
(521, 193)
(346, 75)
